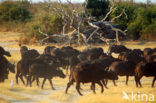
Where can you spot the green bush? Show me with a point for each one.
(49, 24)
(13, 11)
(144, 23)
(129, 10)
(98, 8)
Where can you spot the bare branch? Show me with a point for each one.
(123, 12)
(71, 33)
(92, 34)
(63, 31)
(92, 25)
(116, 30)
(85, 8)
(43, 33)
(79, 32)
(110, 11)
(117, 37)
(117, 16)
(107, 41)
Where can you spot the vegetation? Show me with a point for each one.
(22, 16)
(98, 8)
(140, 21)
(14, 11)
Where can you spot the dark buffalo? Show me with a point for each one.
(151, 58)
(48, 50)
(131, 56)
(117, 49)
(3, 52)
(89, 73)
(138, 52)
(149, 51)
(123, 68)
(5, 65)
(69, 52)
(145, 69)
(90, 54)
(23, 49)
(23, 64)
(106, 62)
(41, 69)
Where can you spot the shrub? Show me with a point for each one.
(48, 23)
(149, 32)
(98, 8)
(144, 23)
(129, 10)
(13, 11)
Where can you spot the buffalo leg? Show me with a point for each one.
(104, 83)
(78, 88)
(93, 87)
(69, 84)
(67, 67)
(43, 83)
(33, 79)
(21, 77)
(17, 75)
(114, 83)
(127, 77)
(139, 81)
(153, 81)
(37, 81)
(28, 80)
(100, 84)
(51, 84)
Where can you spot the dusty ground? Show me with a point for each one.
(21, 94)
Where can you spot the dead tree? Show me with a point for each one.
(82, 32)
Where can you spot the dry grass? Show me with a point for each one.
(111, 95)
(3, 101)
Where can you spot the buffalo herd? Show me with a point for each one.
(92, 65)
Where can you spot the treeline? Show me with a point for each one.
(22, 16)
(140, 20)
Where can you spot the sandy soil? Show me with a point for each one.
(21, 94)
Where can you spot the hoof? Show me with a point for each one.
(53, 89)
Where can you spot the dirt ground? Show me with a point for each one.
(22, 94)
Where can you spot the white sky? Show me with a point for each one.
(80, 1)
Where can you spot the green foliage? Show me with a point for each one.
(51, 23)
(14, 11)
(129, 10)
(144, 23)
(97, 8)
(141, 19)
(48, 23)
